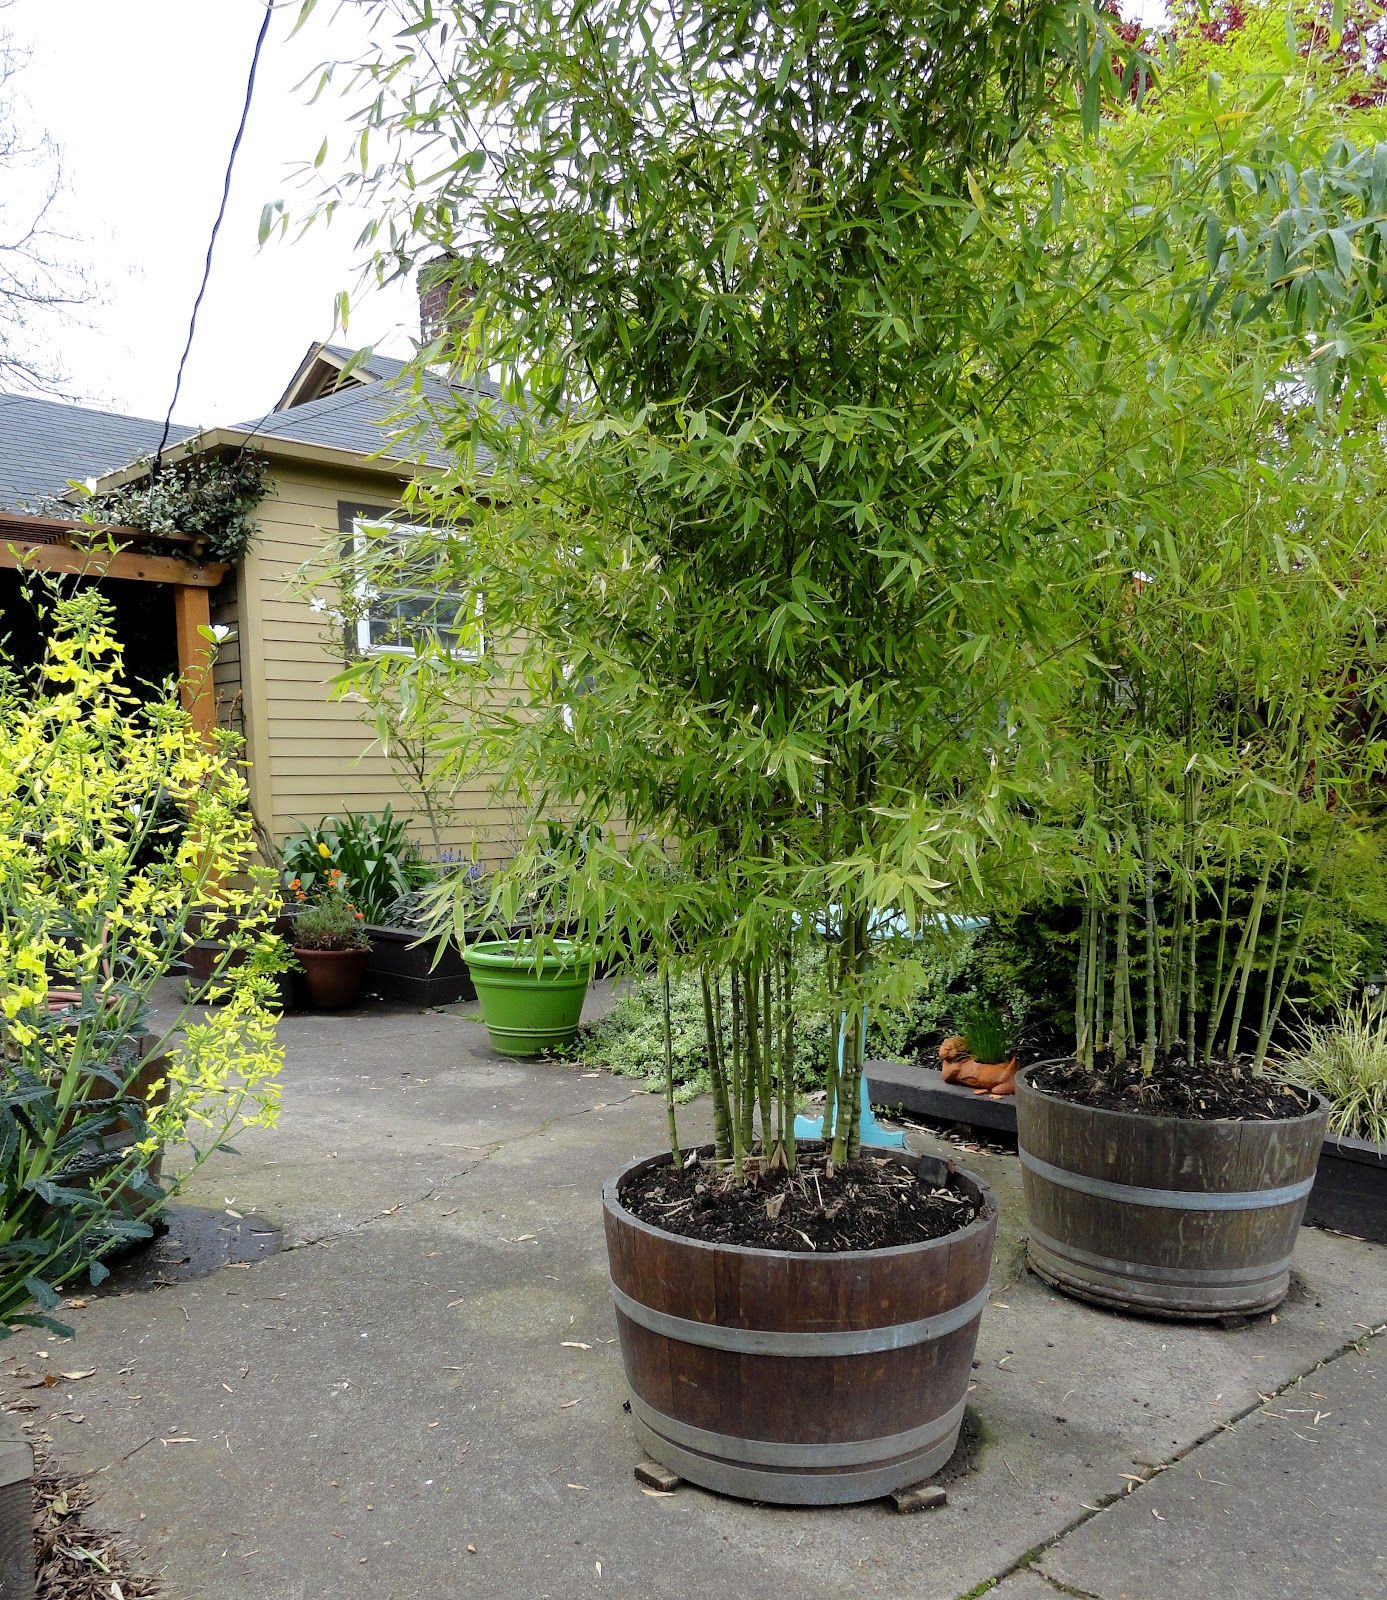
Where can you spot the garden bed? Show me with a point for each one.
(1350, 1193)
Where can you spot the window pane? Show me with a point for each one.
(403, 617)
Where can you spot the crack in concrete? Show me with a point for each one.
(1062, 1588)
(1028, 1561)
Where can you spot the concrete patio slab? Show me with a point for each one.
(422, 1395)
(1288, 1502)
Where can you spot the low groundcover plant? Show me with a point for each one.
(331, 920)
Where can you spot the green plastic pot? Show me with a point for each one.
(529, 1004)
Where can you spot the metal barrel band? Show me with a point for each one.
(774, 1453)
(1214, 1276)
(1171, 1199)
(791, 1488)
(774, 1342)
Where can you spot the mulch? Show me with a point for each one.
(868, 1204)
(1221, 1092)
(74, 1558)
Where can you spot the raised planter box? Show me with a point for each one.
(16, 1513)
(1350, 1192)
(923, 1093)
(402, 969)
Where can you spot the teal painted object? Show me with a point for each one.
(531, 1002)
(869, 1130)
(883, 925)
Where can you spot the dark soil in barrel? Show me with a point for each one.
(1222, 1092)
(869, 1204)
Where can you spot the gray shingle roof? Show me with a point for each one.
(384, 418)
(46, 444)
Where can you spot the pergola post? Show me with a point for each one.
(191, 612)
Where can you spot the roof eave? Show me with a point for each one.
(316, 352)
(210, 439)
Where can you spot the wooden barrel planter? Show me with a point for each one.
(1173, 1216)
(798, 1379)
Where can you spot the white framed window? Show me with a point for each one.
(395, 616)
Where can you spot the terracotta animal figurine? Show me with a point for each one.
(992, 1078)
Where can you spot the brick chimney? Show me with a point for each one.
(445, 300)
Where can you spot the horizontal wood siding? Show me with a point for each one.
(226, 670)
(316, 755)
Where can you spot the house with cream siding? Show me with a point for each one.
(336, 451)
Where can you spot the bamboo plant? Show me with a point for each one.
(809, 325)
(1226, 729)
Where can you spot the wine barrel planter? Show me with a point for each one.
(798, 1379)
(1172, 1216)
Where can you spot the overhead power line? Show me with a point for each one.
(212, 239)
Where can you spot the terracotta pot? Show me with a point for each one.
(332, 978)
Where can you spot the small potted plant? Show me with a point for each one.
(980, 1057)
(331, 943)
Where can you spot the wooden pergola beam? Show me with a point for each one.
(42, 544)
(46, 529)
(191, 613)
(27, 555)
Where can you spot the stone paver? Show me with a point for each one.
(422, 1396)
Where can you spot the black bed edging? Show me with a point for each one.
(1350, 1193)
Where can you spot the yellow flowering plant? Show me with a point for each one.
(117, 819)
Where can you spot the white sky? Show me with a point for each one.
(143, 98)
